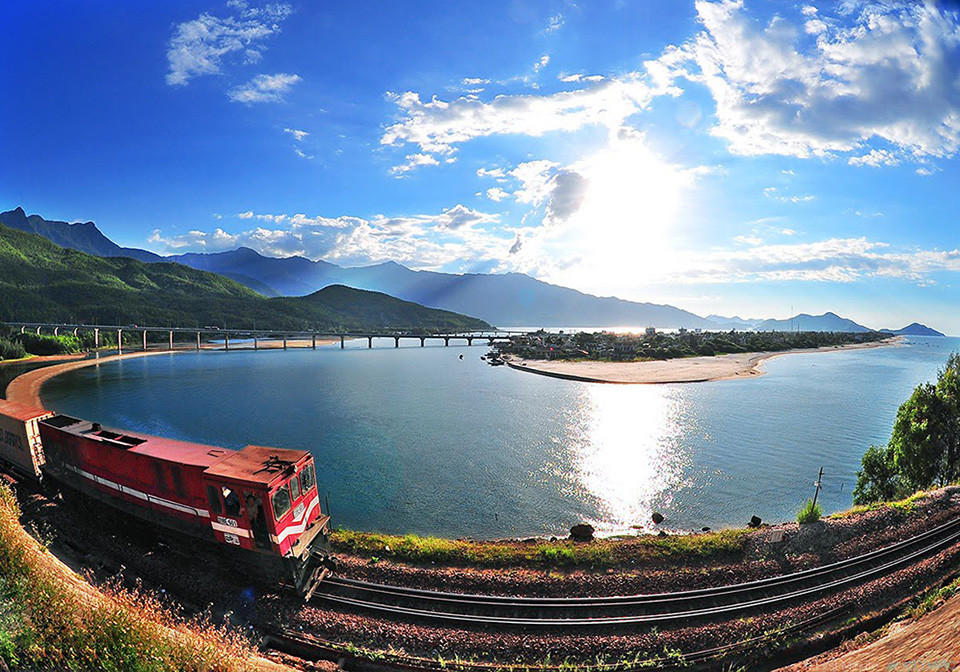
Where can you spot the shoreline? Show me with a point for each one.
(680, 370)
(26, 388)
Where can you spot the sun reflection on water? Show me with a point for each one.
(628, 451)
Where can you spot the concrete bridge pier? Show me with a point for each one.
(96, 338)
(56, 331)
(256, 346)
(446, 341)
(226, 341)
(76, 331)
(284, 342)
(396, 341)
(38, 331)
(198, 340)
(119, 341)
(341, 342)
(469, 340)
(369, 341)
(171, 341)
(423, 341)
(144, 339)
(314, 341)
(22, 329)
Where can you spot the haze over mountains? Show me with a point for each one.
(510, 299)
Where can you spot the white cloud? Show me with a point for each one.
(875, 158)
(773, 192)
(554, 24)
(297, 135)
(833, 260)
(491, 172)
(883, 72)
(199, 46)
(497, 194)
(303, 155)
(438, 126)
(580, 77)
(748, 240)
(453, 236)
(264, 89)
(415, 161)
(541, 64)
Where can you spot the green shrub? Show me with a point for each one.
(11, 350)
(810, 513)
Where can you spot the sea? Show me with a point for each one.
(435, 441)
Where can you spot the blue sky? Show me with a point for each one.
(722, 156)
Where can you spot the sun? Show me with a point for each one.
(620, 236)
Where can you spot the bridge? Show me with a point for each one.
(257, 335)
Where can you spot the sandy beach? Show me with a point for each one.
(25, 389)
(681, 370)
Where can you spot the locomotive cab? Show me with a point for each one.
(266, 500)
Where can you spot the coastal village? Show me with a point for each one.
(652, 344)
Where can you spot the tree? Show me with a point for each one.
(919, 438)
(878, 480)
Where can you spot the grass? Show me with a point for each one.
(905, 505)
(50, 620)
(933, 599)
(598, 554)
(809, 513)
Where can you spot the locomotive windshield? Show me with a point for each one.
(307, 477)
(281, 501)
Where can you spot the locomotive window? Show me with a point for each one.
(281, 502)
(307, 477)
(214, 498)
(158, 474)
(294, 488)
(177, 480)
(231, 501)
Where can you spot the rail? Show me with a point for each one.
(458, 609)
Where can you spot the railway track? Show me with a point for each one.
(589, 613)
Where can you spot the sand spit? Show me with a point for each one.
(681, 370)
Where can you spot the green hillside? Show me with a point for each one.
(42, 282)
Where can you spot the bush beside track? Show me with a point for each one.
(52, 619)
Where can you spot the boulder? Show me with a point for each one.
(754, 521)
(582, 532)
(657, 517)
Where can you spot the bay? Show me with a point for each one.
(419, 440)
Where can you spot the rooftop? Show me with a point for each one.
(258, 464)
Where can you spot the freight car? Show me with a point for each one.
(259, 504)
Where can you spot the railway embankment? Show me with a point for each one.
(644, 563)
(51, 618)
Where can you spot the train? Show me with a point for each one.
(259, 505)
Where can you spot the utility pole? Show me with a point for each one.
(817, 491)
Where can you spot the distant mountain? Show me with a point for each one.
(508, 299)
(735, 322)
(804, 322)
(85, 237)
(915, 329)
(41, 281)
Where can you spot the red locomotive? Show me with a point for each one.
(260, 503)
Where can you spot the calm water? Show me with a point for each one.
(418, 440)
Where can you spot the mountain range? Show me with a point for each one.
(44, 282)
(510, 299)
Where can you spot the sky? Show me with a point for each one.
(739, 157)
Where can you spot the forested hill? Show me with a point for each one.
(41, 281)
